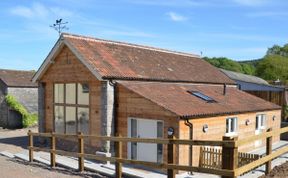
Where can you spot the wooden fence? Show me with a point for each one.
(229, 156)
(212, 158)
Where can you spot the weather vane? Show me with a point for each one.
(59, 26)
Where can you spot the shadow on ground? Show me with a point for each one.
(21, 141)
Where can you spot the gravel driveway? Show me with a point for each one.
(15, 141)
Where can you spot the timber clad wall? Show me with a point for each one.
(67, 68)
(134, 105)
(217, 129)
(274, 97)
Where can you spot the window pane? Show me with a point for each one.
(159, 129)
(159, 146)
(58, 93)
(59, 119)
(263, 120)
(227, 126)
(133, 128)
(83, 120)
(70, 120)
(257, 122)
(83, 93)
(133, 134)
(233, 124)
(70, 93)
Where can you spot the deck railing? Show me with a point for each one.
(229, 152)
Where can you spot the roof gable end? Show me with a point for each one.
(54, 52)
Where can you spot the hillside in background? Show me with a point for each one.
(273, 66)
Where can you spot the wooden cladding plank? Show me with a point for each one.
(261, 136)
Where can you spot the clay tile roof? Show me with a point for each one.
(17, 78)
(119, 60)
(175, 98)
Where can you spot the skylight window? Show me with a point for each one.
(202, 96)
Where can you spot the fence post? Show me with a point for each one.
(30, 146)
(170, 158)
(201, 157)
(118, 154)
(81, 152)
(229, 156)
(268, 152)
(53, 149)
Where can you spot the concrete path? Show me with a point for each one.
(109, 169)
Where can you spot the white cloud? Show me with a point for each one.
(251, 2)
(61, 12)
(176, 17)
(22, 11)
(39, 11)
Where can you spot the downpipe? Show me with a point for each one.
(190, 125)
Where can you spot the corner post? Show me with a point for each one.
(229, 156)
(30, 146)
(268, 152)
(171, 158)
(118, 154)
(53, 149)
(81, 152)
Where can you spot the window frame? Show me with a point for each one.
(261, 119)
(76, 105)
(202, 96)
(229, 129)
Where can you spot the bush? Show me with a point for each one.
(28, 119)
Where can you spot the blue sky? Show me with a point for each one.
(237, 29)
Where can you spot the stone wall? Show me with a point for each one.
(28, 97)
(107, 120)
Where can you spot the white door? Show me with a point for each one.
(146, 129)
(260, 128)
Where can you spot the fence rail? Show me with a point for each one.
(229, 156)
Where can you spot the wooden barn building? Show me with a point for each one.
(105, 87)
(259, 87)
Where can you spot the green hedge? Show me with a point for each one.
(28, 119)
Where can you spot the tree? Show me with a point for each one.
(248, 69)
(278, 50)
(228, 64)
(273, 67)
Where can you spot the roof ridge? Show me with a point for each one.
(90, 38)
